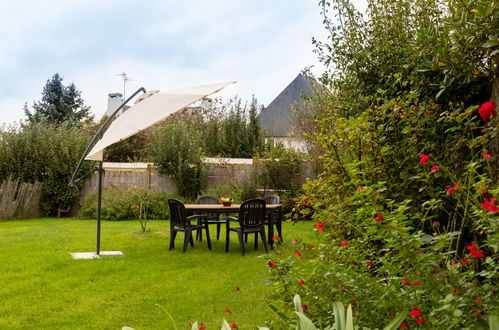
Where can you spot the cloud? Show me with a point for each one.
(159, 44)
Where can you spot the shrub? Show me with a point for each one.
(280, 169)
(125, 204)
(238, 193)
(46, 153)
(405, 205)
(177, 152)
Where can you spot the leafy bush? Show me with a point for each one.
(280, 169)
(177, 152)
(46, 153)
(125, 204)
(405, 205)
(238, 193)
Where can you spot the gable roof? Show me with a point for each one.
(276, 118)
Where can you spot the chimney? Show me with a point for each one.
(114, 100)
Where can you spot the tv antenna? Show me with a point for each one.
(125, 79)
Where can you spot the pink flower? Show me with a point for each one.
(464, 262)
(472, 246)
(310, 246)
(272, 263)
(487, 111)
(275, 238)
(369, 263)
(202, 326)
(301, 282)
(454, 293)
(421, 320)
(478, 300)
(227, 310)
(450, 189)
(415, 312)
(490, 205)
(344, 243)
(404, 324)
(478, 313)
(434, 168)
(320, 226)
(233, 325)
(379, 218)
(353, 303)
(423, 159)
(297, 254)
(304, 307)
(486, 155)
(405, 282)
(360, 189)
(436, 224)
(476, 254)
(416, 283)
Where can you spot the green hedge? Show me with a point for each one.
(122, 204)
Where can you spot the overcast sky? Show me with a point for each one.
(164, 44)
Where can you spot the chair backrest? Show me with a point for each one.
(178, 215)
(208, 199)
(252, 213)
(272, 199)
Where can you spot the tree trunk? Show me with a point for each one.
(494, 144)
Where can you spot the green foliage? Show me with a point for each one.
(280, 169)
(177, 152)
(59, 104)
(46, 153)
(233, 130)
(127, 204)
(403, 202)
(239, 193)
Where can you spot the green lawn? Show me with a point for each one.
(41, 286)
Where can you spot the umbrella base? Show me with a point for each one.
(93, 255)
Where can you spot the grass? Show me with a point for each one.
(42, 287)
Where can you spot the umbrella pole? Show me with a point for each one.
(99, 206)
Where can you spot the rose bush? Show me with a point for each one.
(405, 207)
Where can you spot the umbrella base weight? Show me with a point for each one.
(93, 255)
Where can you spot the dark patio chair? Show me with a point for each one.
(179, 221)
(251, 221)
(211, 218)
(274, 215)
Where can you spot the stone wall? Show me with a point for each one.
(145, 175)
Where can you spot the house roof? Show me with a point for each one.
(276, 118)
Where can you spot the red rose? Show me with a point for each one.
(490, 205)
(415, 312)
(487, 111)
(423, 159)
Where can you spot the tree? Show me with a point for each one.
(46, 153)
(177, 152)
(59, 104)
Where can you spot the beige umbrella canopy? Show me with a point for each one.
(150, 109)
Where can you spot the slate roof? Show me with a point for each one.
(276, 118)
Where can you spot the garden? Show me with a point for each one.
(398, 229)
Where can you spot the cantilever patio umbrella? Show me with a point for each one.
(149, 109)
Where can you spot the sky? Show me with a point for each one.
(159, 44)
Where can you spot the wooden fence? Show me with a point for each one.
(19, 200)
